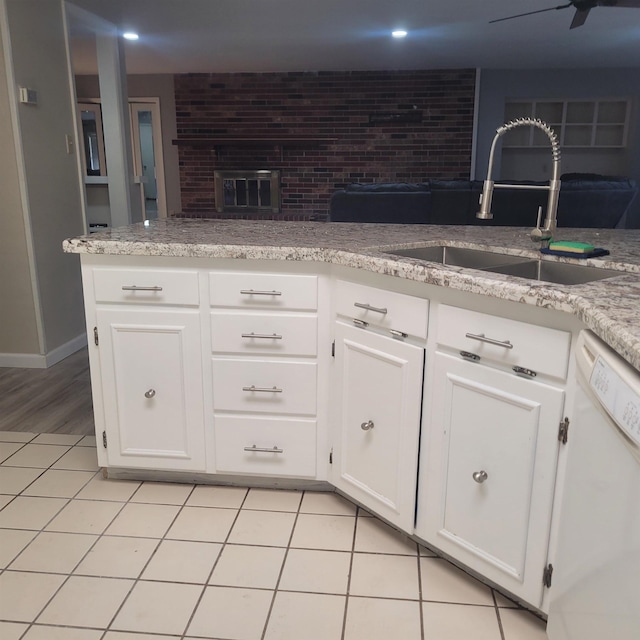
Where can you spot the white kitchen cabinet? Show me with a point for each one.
(488, 468)
(151, 388)
(378, 393)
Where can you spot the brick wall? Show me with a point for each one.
(338, 105)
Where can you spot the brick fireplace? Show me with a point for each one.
(320, 131)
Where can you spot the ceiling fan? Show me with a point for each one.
(582, 9)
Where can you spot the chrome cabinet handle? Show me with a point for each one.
(275, 449)
(480, 476)
(253, 292)
(523, 371)
(133, 287)
(467, 355)
(366, 426)
(360, 323)
(482, 338)
(262, 389)
(149, 394)
(398, 334)
(273, 336)
(368, 307)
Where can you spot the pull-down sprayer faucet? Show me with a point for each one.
(538, 234)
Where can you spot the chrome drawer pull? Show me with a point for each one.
(262, 389)
(366, 426)
(252, 292)
(360, 323)
(273, 336)
(398, 334)
(264, 449)
(522, 371)
(480, 476)
(133, 287)
(481, 337)
(368, 307)
(149, 394)
(467, 355)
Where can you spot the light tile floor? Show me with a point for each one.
(83, 558)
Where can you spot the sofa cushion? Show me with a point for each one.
(387, 187)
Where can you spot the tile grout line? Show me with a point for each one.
(421, 608)
(497, 610)
(353, 548)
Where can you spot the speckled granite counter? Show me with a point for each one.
(611, 308)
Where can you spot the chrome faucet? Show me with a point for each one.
(538, 234)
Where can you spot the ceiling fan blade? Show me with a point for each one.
(631, 4)
(579, 18)
(530, 13)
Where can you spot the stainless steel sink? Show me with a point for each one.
(546, 271)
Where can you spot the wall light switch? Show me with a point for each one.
(28, 96)
(69, 142)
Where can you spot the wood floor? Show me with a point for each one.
(53, 400)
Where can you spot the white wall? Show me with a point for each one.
(51, 187)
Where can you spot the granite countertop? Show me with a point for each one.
(611, 307)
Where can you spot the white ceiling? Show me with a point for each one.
(179, 36)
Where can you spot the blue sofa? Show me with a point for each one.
(586, 200)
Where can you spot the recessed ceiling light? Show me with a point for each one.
(399, 33)
(130, 35)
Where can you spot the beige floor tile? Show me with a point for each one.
(101, 488)
(12, 542)
(86, 602)
(7, 449)
(16, 436)
(425, 552)
(56, 483)
(329, 532)
(327, 504)
(116, 557)
(14, 480)
(39, 456)
(158, 607)
(57, 438)
(79, 459)
(456, 621)
(125, 635)
(5, 500)
(247, 566)
(316, 571)
(224, 497)
(14, 585)
(442, 582)
(30, 513)
(233, 614)
(45, 632)
(87, 441)
(85, 516)
(272, 500)
(384, 576)
(269, 528)
(203, 524)
(162, 493)
(143, 520)
(54, 552)
(306, 615)
(12, 630)
(182, 561)
(377, 619)
(519, 624)
(374, 536)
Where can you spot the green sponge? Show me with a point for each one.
(571, 247)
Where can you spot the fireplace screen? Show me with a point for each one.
(247, 191)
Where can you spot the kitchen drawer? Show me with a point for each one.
(269, 334)
(146, 286)
(264, 386)
(540, 349)
(263, 291)
(382, 308)
(266, 446)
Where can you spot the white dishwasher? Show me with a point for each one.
(595, 593)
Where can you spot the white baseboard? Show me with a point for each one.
(37, 361)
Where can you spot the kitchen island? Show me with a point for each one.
(309, 355)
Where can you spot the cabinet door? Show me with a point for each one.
(379, 382)
(152, 384)
(487, 478)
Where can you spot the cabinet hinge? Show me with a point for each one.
(331, 456)
(563, 431)
(95, 335)
(546, 575)
(333, 349)
(104, 439)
